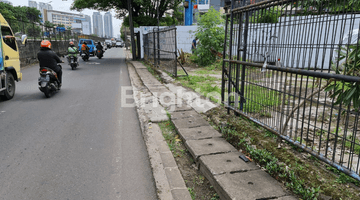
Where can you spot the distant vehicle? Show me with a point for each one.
(90, 44)
(108, 43)
(118, 44)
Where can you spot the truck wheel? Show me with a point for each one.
(10, 86)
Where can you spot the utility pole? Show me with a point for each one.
(126, 38)
(131, 30)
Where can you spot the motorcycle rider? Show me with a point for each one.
(48, 58)
(85, 49)
(72, 51)
(100, 47)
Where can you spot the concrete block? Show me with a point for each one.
(202, 105)
(163, 146)
(199, 148)
(175, 179)
(138, 65)
(287, 198)
(190, 122)
(155, 130)
(177, 107)
(168, 159)
(248, 186)
(184, 114)
(155, 113)
(198, 133)
(181, 194)
(212, 165)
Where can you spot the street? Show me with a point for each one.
(78, 144)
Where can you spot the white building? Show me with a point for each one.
(98, 24)
(60, 17)
(43, 7)
(108, 26)
(32, 4)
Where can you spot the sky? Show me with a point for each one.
(65, 6)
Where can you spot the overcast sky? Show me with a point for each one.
(65, 6)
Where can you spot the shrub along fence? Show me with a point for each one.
(293, 67)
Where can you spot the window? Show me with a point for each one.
(8, 37)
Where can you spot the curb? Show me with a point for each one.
(168, 179)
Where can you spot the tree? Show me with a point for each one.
(211, 35)
(20, 18)
(144, 11)
(329, 5)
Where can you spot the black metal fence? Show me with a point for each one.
(160, 48)
(293, 67)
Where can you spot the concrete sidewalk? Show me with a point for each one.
(219, 161)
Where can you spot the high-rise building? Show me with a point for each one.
(88, 19)
(43, 7)
(98, 24)
(61, 17)
(108, 25)
(32, 4)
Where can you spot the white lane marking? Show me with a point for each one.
(2, 112)
(93, 63)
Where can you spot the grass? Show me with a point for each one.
(203, 85)
(307, 178)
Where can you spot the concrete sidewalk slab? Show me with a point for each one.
(184, 114)
(190, 122)
(199, 133)
(199, 148)
(248, 186)
(225, 163)
(138, 65)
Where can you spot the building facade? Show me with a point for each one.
(33, 4)
(43, 7)
(60, 17)
(98, 24)
(108, 26)
(88, 19)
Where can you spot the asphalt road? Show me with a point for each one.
(78, 144)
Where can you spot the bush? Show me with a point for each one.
(211, 35)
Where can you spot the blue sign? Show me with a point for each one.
(47, 34)
(60, 29)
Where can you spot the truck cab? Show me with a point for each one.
(9, 60)
(90, 43)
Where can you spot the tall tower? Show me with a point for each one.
(108, 25)
(98, 24)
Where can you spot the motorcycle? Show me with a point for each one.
(84, 56)
(99, 53)
(48, 81)
(73, 62)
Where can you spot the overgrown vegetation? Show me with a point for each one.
(198, 186)
(309, 178)
(211, 35)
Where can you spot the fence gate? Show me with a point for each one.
(290, 66)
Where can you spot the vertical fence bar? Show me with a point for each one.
(230, 56)
(223, 65)
(154, 51)
(175, 71)
(243, 69)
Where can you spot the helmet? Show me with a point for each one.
(71, 43)
(46, 43)
(84, 42)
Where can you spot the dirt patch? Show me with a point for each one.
(198, 186)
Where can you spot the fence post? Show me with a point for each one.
(154, 52)
(158, 46)
(242, 99)
(230, 55)
(175, 73)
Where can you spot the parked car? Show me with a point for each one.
(90, 43)
(118, 44)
